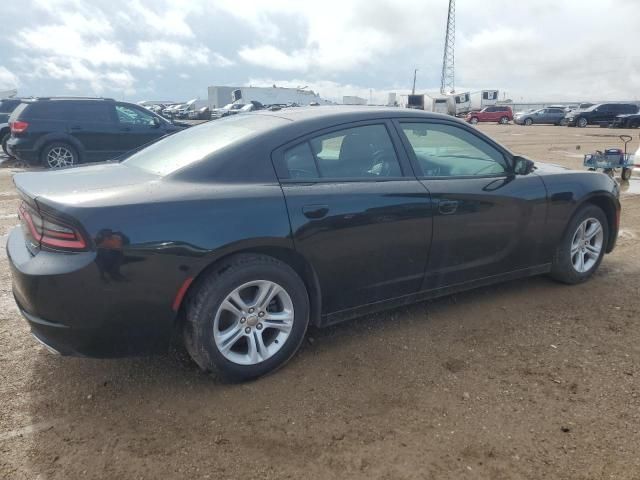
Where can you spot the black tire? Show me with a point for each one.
(634, 124)
(581, 122)
(473, 120)
(528, 122)
(562, 268)
(562, 123)
(626, 174)
(503, 120)
(4, 140)
(209, 293)
(61, 146)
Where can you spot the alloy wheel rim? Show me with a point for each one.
(59, 157)
(586, 245)
(253, 322)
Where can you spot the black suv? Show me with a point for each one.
(7, 105)
(600, 114)
(59, 132)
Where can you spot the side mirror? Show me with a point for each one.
(156, 122)
(523, 166)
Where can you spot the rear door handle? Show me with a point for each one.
(447, 207)
(76, 127)
(315, 211)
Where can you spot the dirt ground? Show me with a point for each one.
(525, 380)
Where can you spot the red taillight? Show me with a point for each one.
(18, 126)
(51, 233)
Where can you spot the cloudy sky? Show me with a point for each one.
(173, 49)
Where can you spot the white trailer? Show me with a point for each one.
(277, 96)
(483, 98)
(459, 103)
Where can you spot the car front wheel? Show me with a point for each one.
(247, 319)
(474, 120)
(582, 122)
(583, 246)
(528, 122)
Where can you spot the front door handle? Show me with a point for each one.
(447, 207)
(315, 211)
(76, 127)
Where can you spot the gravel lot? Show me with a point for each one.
(525, 380)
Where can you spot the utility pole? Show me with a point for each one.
(447, 81)
(413, 90)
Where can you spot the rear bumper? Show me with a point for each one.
(72, 309)
(18, 148)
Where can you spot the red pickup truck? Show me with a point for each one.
(495, 113)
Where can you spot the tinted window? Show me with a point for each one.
(359, 152)
(194, 144)
(90, 112)
(46, 110)
(485, 95)
(445, 150)
(7, 106)
(300, 163)
(132, 115)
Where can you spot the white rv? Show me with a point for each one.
(8, 93)
(483, 98)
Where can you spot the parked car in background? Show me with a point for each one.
(191, 106)
(496, 113)
(203, 113)
(602, 114)
(240, 233)
(59, 132)
(627, 120)
(229, 109)
(7, 106)
(549, 115)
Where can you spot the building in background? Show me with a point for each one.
(353, 100)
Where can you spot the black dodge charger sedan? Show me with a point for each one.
(240, 233)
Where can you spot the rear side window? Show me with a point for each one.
(353, 153)
(90, 112)
(360, 152)
(300, 162)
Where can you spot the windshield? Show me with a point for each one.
(193, 144)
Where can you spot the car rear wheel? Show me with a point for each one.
(528, 122)
(581, 122)
(635, 124)
(503, 120)
(4, 140)
(247, 319)
(562, 122)
(583, 246)
(474, 120)
(59, 155)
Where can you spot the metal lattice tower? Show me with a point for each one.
(447, 81)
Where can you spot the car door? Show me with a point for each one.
(542, 116)
(487, 220)
(137, 127)
(555, 115)
(490, 114)
(93, 125)
(358, 214)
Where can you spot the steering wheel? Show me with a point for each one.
(381, 166)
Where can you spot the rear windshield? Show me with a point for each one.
(193, 144)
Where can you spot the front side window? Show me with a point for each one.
(449, 151)
(130, 115)
(360, 152)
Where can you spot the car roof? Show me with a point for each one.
(345, 113)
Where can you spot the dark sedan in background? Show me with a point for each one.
(240, 233)
(60, 132)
